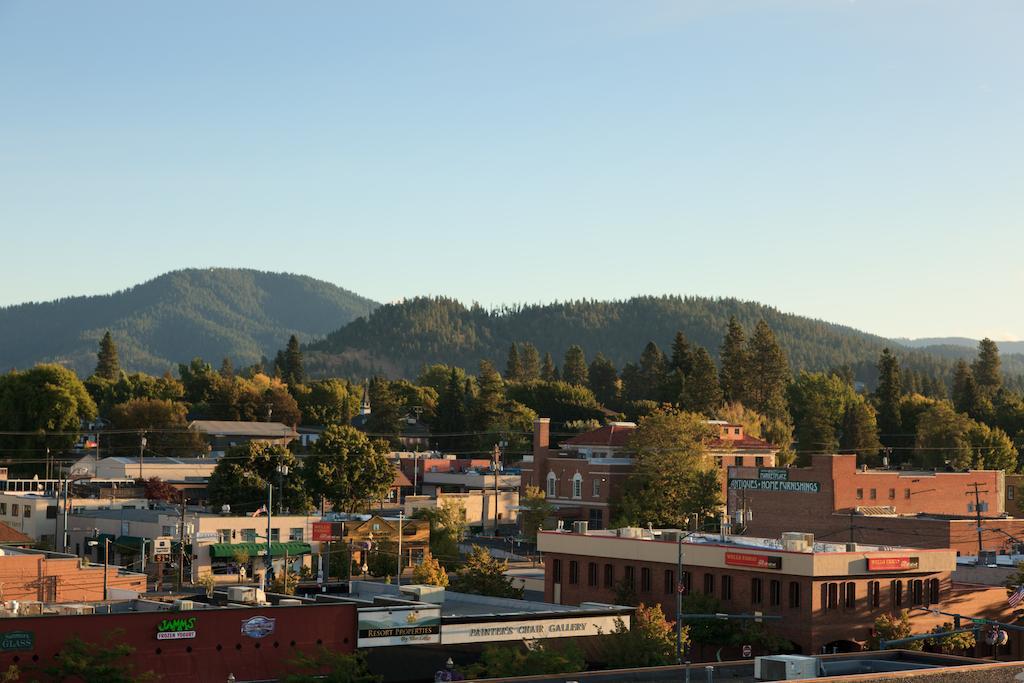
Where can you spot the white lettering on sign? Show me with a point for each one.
(769, 485)
(566, 627)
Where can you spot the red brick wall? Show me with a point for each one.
(24, 577)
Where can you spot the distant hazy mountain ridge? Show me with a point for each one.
(213, 313)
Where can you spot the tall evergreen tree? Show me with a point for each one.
(292, 370)
(681, 354)
(574, 371)
(767, 372)
(986, 367)
(451, 412)
(860, 431)
(548, 371)
(966, 395)
(651, 375)
(227, 368)
(733, 357)
(513, 366)
(386, 410)
(604, 380)
(529, 358)
(888, 397)
(107, 364)
(487, 405)
(701, 393)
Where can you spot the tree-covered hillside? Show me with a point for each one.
(399, 339)
(213, 313)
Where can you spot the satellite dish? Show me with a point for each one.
(225, 509)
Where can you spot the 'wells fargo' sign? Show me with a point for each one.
(753, 560)
(890, 564)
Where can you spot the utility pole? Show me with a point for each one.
(142, 447)
(496, 459)
(270, 505)
(181, 545)
(679, 598)
(977, 512)
(851, 526)
(67, 538)
(401, 517)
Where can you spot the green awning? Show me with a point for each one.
(132, 544)
(228, 550)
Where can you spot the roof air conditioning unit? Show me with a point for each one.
(424, 593)
(184, 605)
(580, 527)
(289, 602)
(785, 668)
(245, 595)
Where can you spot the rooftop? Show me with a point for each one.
(270, 430)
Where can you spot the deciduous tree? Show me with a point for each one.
(348, 469)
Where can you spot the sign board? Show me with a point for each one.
(258, 626)
(17, 640)
(328, 531)
(774, 485)
(773, 474)
(753, 560)
(747, 651)
(383, 626)
(176, 629)
(564, 627)
(890, 564)
(208, 536)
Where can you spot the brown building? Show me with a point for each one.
(584, 474)
(54, 578)
(828, 594)
(837, 501)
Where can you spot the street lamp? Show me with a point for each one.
(106, 562)
(282, 472)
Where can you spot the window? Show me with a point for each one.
(630, 577)
(597, 487)
(933, 591)
(892, 494)
(897, 593)
(759, 460)
(906, 493)
(831, 595)
(51, 512)
(248, 535)
(794, 594)
(28, 512)
(874, 594)
(726, 587)
(3, 508)
(916, 592)
(774, 593)
(686, 583)
(609, 576)
(556, 571)
(275, 535)
(739, 461)
(552, 485)
(645, 579)
(577, 486)
(592, 573)
(755, 592)
(709, 584)
(376, 526)
(851, 595)
(860, 494)
(1009, 493)
(296, 532)
(223, 535)
(874, 494)
(165, 530)
(574, 572)
(670, 581)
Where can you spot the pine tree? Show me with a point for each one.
(965, 388)
(986, 367)
(292, 370)
(107, 364)
(681, 354)
(604, 380)
(860, 431)
(451, 412)
(574, 371)
(487, 410)
(529, 358)
(513, 366)
(733, 356)
(701, 393)
(548, 371)
(227, 368)
(887, 398)
(652, 373)
(767, 372)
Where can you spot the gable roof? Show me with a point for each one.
(11, 536)
(400, 479)
(615, 435)
(268, 430)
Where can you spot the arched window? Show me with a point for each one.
(577, 485)
(552, 485)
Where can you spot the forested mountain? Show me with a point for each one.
(399, 339)
(213, 313)
(1005, 347)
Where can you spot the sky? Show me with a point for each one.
(850, 160)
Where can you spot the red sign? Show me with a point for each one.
(328, 531)
(752, 560)
(888, 564)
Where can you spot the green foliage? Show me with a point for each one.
(700, 392)
(561, 401)
(329, 401)
(289, 363)
(164, 423)
(669, 453)
(887, 398)
(241, 477)
(43, 399)
(514, 366)
(447, 529)
(108, 366)
(826, 409)
(767, 372)
(778, 431)
(548, 371)
(348, 469)
(535, 509)
(893, 627)
(574, 368)
(604, 380)
(429, 572)
(107, 662)
(540, 657)
(483, 575)
(955, 642)
(727, 633)
(944, 435)
(209, 312)
(986, 368)
(735, 362)
(327, 666)
(383, 559)
(649, 640)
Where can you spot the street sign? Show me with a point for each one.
(747, 651)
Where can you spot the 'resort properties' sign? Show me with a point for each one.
(890, 564)
(753, 560)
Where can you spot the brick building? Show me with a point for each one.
(837, 501)
(51, 577)
(584, 474)
(828, 594)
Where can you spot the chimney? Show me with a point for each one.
(541, 433)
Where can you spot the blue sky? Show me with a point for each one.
(853, 161)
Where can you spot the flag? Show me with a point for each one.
(1016, 597)
(91, 443)
(261, 511)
